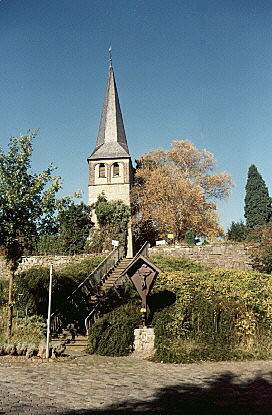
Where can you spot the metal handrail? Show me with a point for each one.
(88, 318)
(143, 250)
(106, 265)
(105, 260)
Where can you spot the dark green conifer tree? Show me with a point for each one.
(257, 200)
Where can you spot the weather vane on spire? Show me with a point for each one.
(110, 55)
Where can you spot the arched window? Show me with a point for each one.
(115, 170)
(102, 170)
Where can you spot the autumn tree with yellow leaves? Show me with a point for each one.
(177, 190)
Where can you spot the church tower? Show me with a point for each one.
(110, 167)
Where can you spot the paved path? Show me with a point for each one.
(97, 385)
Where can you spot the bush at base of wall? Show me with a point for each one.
(32, 286)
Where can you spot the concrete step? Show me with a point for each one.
(112, 276)
(78, 347)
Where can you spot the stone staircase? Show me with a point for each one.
(91, 294)
(115, 274)
(73, 348)
(78, 348)
(89, 298)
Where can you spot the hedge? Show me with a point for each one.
(32, 286)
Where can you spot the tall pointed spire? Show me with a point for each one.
(111, 140)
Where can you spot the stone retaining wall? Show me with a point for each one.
(222, 255)
(58, 262)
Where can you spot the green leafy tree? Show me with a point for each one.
(26, 199)
(237, 231)
(144, 231)
(257, 200)
(68, 232)
(74, 229)
(113, 213)
(113, 218)
(261, 249)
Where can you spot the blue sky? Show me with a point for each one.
(196, 70)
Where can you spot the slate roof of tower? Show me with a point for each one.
(111, 140)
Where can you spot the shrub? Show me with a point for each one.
(32, 286)
(166, 263)
(29, 330)
(190, 237)
(27, 334)
(113, 333)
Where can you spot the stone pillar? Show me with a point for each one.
(144, 339)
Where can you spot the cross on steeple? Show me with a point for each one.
(110, 55)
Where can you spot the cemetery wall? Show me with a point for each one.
(226, 255)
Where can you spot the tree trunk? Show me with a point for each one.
(10, 304)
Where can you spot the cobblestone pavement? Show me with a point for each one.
(97, 385)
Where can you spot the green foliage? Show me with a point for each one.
(144, 231)
(237, 232)
(26, 198)
(74, 228)
(28, 334)
(70, 233)
(198, 313)
(112, 213)
(257, 200)
(29, 329)
(32, 286)
(48, 245)
(218, 315)
(190, 237)
(165, 263)
(103, 210)
(3, 292)
(113, 217)
(261, 250)
(113, 333)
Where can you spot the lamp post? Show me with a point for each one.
(49, 312)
